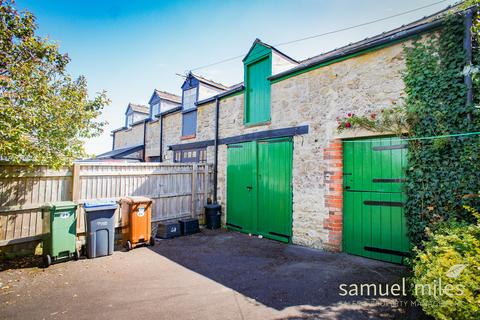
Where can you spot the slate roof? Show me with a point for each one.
(139, 108)
(210, 82)
(271, 47)
(233, 89)
(416, 27)
(168, 96)
(118, 153)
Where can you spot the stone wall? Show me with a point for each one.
(363, 84)
(172, 132)
(152, 139)
(172, 126)
(129, 137)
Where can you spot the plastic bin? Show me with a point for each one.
(138, 231)
(213, 214)
(60, 229)
(188, 226)
(100, 228)
(168, 229)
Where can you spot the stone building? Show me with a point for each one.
(284, 171)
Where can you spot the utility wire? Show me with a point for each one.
(465, 134)
(327, 33)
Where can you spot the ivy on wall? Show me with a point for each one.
(441, 171)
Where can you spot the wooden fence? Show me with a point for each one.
(177, 190)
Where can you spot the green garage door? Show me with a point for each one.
(259, 196)
(373, 217)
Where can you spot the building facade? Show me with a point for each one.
(284, 171)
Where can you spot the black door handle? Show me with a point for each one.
(249, 188)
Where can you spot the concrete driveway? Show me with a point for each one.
(211, 275)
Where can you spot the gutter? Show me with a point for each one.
(160, 117)
(467, 46)
(173, 110)
(215, 160)
(144, 139)
(221, 95)
(161, 138)
(119, 129)
(113, 141)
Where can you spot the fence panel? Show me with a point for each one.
(23, 192)
(177, 190)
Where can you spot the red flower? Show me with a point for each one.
(348, 124)
(349, 114)
(373, 115)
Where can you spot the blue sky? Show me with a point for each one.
(128, 48)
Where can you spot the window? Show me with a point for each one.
(190, 155)
(189, 98)
(129, 119)
(189, 123)
(202, 155)
(155, 109)
(178, 156)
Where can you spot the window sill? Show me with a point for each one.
(258, 124)
(192, 136)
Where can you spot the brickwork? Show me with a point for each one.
(333, 223)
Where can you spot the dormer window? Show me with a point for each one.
(155, 109)
(189, 98)
(129, 119)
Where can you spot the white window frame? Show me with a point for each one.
(155, 106)
(129, 119)
(189, 98)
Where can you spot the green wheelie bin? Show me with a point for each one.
(60, 232)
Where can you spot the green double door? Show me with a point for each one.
(374, 223)
(259, 193)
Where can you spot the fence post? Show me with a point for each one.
(206, 184)
(76, 182)
(76, 190)
(194, 189)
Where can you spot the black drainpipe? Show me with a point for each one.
(467, 46)
(161, 138)
(215, 160)
(144, 139)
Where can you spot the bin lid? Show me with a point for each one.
(212, 206)
(100, 205)
(137, 199)
(60, 205)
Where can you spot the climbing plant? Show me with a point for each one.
(441, 171)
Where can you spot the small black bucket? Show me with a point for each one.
(213, 214)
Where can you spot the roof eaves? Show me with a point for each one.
(173, 110)
(119, 129)
(221, 95)
(360, 46)
(119, 152)
(209, 82)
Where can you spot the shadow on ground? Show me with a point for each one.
(282, 276)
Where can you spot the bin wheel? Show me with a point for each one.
(76, 255)
(128, 245)
(152, 241)
(47, 261)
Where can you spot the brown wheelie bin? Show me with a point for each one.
(138, 228)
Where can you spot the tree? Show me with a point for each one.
(45, 115)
